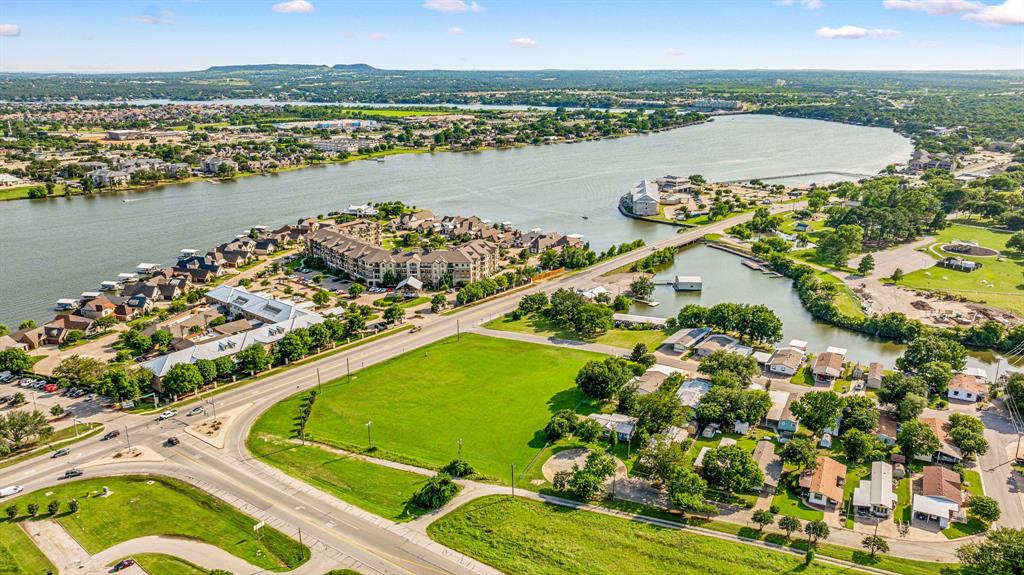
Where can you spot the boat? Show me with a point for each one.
(585, 217)
(379, 160)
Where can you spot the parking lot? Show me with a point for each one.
(40, 396)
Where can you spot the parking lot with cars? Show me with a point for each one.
(42, 395)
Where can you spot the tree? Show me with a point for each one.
(436, 492)
(73, 506)
(861, 446)
(15, 360)
(642, 287)
(561, 424)
(866, 265)
(207, 369)
(603, 379)
(1001, 553)
(818, 410)
(763, 517)
(816, 530)
(916, 438)
(33, 509)
(182, 378)
(983, 508)
(937, 375)
(161, 337)
(253, 359)
(394, 313)
(641, 355)
(53, 507)
(27, 324)
(875, 544)
(591, 320)
(967, 433)
(836, 246)
(225, 366)
(789, 524)
(56, 410)
(438, 303)
(686, 491)
(722, 361)
(12, 512)
(897, 274)
(662, 459)
(81, 370)
(588, 430)
(896, 386)
(926, 348)
(1016, 242)
(587, 482)
(732, 469)
(18, 426)
(355, 290)
(800, 451)
(657, 411)
(910, 407)
(294, 346)
(321, 298)
(860, 412)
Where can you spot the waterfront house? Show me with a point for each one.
(106, 178)
(212, 164)
(629, 320)
(688, 283)
(770, 464)
(685, 338)
(8, 342)
(361, 211)
(642, 199)
(780, 415)
(964, 387)
(691, 391)
(31, 337)
(940, 497)
(721, 341)
(824, 484)
(57, 331)
(623, 426)
(97, 308)
(237, 301)
(786, 361)
(875, 373)
(828, 367)
(947, 452)
(875, 496)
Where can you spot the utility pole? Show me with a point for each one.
(458, 331)
(318, 387)
(214, 406)
(348, 369)
(128, 439)
(76, 426)
(460, 448)
(369, 433)
(301, 552)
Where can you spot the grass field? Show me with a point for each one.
(159, 564)
(495, 395)
(372, 487)
(996, 283)
(61, 438)
(536, 325)
(845, 300)
(153, 505)
(523, 537)
(18, 555)
(789, 503)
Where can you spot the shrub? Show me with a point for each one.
(439, 490)
(458, 468)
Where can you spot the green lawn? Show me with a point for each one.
(496, 395)
(535, 325)
(958, 530)
(18, 554)
(59, 439)
(972, 481)
(152, 505)
(159, 564)
(522, 537)
(996, 283)
(790, 503)
(845, 300)
(904, 501)
(372, 487)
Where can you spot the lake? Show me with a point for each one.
(60, 247)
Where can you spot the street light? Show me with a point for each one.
(369, 433)
(214, 406)
(460, 448)
(75, 420)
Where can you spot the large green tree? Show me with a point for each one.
(733, 469)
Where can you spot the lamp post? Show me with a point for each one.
(460, 448)
(318, 386)
(369, 433)
(75, 420)
(214, 406)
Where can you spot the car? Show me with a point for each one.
(71, 473)
(172, 441)
(167, 414)
(124, 564)
(60, 452)
(858, 386)
(195, 411)
(110, 435)
(91, 397)
(11, 490)
(50, 387)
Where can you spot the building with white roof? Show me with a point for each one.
(692, 391)
(642, 199)
(875, 495)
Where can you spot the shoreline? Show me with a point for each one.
(371, 156)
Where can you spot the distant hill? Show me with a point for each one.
(355, 67)
(289, 68)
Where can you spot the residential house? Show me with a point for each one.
(106, 178)
(965, 387)
(947, 452)
(212, 164)
(8, 342)
(875, 496)
(770, 464)
(31, 338)
(786, 361)
(97, 308)
(824, 484)
(361, 211)
(887, 428)
(875, 373)
(940, 497)
(780, 414)
(363, 230)
(642, 199)
(691, 391)
(828, 367)
(650, 381)
(687, 337)
(57, 330)
(623, 426)
(200, 269)
(719, 341)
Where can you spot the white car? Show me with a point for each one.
(167, 414)
(12, 490)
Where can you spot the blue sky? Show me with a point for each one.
(42, 35)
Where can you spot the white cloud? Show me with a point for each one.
(808, 4)
(455, 30)
(163, 17)
(855, 33)
(293, 7)
(935, 6)
(452, 6)
(676, 52)
(10, 30)
(522, 43)
(1009, 12)
(377, 37)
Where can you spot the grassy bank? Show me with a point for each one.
(158, 564)
(523, 537)
(151, 505)
(540, 326)
(18, 554)
(494, 394)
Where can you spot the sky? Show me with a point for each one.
(124, 35)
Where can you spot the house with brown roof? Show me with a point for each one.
(786, 361)
(57, 330)
(886, 429)
(828, 367)
(824, 484)
(770, 464)
(31, 337)
(964, 387)
(8, 342)
(940, 496)
(650, 381)
(875, 373)
(97, 308)
(947, 452)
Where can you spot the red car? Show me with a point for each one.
(50, 387)
(124, 564)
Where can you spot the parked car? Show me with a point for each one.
(71, 473)
(172, 441)
(60, 453)
(124, 564)
(11, 490)
(195, 411)
(110, 435)
(50, 387)
(167, 414)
